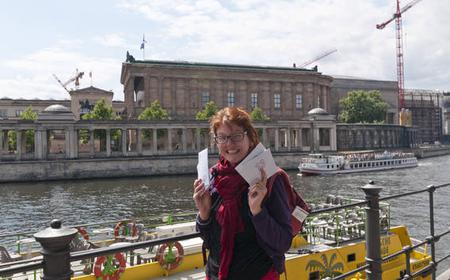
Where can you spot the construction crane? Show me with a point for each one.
(400, 65)
(76, 78)
(322, 55)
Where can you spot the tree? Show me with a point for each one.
(154, 112)
(209, 111)
(28, 115)
(258, 115)
(101, 111)
(363, 107)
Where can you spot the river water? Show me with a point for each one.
(31, 206)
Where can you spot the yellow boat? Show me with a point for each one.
(303, 261)
(323, 250)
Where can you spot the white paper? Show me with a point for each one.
(255, 152)
(299, 214)
(202, 167)
(250, 169)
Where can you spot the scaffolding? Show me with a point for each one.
(426, 112)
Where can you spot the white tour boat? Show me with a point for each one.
(316, 164)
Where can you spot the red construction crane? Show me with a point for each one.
(322, 55)
(400, 70)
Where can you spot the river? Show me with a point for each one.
(31, 206)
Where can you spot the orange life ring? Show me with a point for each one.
(121, 226)
(163, 258)
(118, 267)
(83, 232)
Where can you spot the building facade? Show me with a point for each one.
(342, 85)
(81, 101)
(183, 88)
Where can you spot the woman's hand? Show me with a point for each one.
(202, 199)
(256, 194)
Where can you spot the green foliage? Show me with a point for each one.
(101, 111)
(154, 112)
(258, 115)
(209, 111)
(28, 115)
(363, 107)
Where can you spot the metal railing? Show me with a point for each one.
(57, 257)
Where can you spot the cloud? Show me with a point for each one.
(282, 32)
(111, 40)
(37, 69)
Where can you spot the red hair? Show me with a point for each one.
(236, 116)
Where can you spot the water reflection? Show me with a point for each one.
(30, 206)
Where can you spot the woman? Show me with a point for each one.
(246, 233)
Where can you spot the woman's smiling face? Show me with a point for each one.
(236, 145)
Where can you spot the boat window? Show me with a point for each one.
(314, 275)
(351, 257)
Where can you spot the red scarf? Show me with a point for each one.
(230, 186)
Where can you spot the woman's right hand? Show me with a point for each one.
(202, 199)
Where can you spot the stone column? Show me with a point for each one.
(169, 140)
(184, 139)
(264, 136)
(124, 142)
(198, 138)
(277, 139)
(333, 141)
(155, 140)
(66, 143)
(92, 143)
(300, 140)
(288, 139)
(18, 144)
(139, 141)
(108, 142)
(1, 142)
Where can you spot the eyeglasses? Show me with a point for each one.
(235, 138)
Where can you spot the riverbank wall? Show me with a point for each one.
(70, 169)
(65, 169)
(431, 151)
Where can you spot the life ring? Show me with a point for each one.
(170, 260)
(122, 226)
(112, 268)
(83, 232)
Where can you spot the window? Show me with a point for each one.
(3, 113)
(18, 113)
(277, 100)
(298, 101)
(205, 98)
(230, 99)
(254, 100)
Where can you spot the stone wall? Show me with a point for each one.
(118, 167)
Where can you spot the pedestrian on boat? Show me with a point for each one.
(246, 233)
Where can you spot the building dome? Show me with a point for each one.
(57, 109)
(317, 111)
(56, 113)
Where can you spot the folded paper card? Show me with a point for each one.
(202, 167)
(250, 167)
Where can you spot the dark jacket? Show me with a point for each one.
(267, 236)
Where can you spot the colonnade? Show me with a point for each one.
(104, 139)
(355, 136)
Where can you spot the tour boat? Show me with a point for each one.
(331, 244)
(316, 164)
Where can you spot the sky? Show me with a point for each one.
(46, 37)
